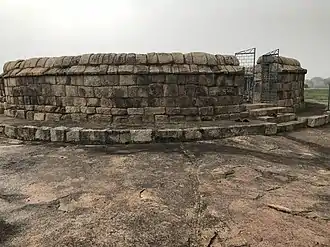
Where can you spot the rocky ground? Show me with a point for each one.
(243, 191)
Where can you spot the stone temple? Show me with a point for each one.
(140, 88)
(153, 97)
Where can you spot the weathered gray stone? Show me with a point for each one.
(39, 116)
(87, 110)
(135, 111)
(171, 90)
(161, 119)
(78, 117)
(42, 134)
(165, 58)
(127, 80)
(141, 136)
(152, 58)
(192, 134)
(119, 111)
(316, 121)
(53, 117)
(270, 129)
(93, 136)
(10, 131)
(87, 92)
(168, 135)
(26, 133)
(58, 134)
(118, 136)
(154, 110)
(92, 81)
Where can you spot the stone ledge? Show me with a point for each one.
(126, 70)
(123, 62)
(316, 121)
(125, 136)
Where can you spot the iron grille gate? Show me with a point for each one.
(269, 76)
(247, 59)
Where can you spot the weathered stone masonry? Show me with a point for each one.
(125, 88)
(288, 89)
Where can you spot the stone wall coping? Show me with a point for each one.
(122, 63)
(283, 68)
(107, 136)
(279, 60)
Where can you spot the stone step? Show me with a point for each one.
(280, 118)
(291, 125)
(268, 111)
(316, 121)
(258, 106)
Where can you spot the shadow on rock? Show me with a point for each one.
(7, 231)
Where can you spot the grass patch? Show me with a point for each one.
(319, 95)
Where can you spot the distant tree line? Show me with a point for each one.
(317, 82)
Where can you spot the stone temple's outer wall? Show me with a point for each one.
(2, 90)
(125, 88)
(289, 88)
(2, 95)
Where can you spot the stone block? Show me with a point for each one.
(78, 117)
(87, 110)
(93, 136)
(119, 111)
(152, 58)
(270, 129)
(100, 118)
(171, 90)
(92, 81)
(79, 101)
(192, 134)
(141, 135)
(176, 118)
(317, 121)
(71, 91)
(26, 133)
(10, 131)
(39, 116)
(93, 102)
(191, 111)
(119, 91)
(156, 90)
(135, 119)
(127, 80)
(154, 110)
(173, 110)
(42, 134)
(72, 109)
(135, 111)
(206, 111)
(120, 120)
(53, 117)
(168, 135)
(209, 133)
(192, 118)
(118, 136)
(29, 115)
(20, 114)
(107, 103)
(161, 118)
(87, 92)
(148, 118)
(58, 134)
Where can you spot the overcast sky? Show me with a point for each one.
(299, 28)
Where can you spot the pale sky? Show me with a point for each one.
(299, 28)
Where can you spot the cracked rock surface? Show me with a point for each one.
(243, 191)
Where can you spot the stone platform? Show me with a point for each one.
(103, 133)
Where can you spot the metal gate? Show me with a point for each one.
(247, 59)
(269, 76)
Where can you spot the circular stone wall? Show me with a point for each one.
(125, 88)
